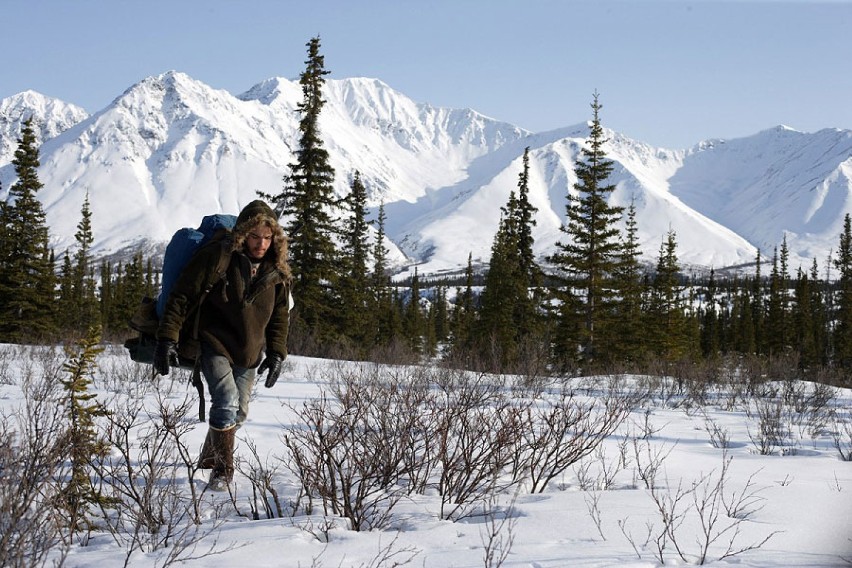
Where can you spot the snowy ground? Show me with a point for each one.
(599, 512)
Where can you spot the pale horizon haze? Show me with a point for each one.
(669, 73)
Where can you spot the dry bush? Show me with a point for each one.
(558, 433)
(478, 429)
(149, 506)
(349, 451)
(32, 458)
(705, 505)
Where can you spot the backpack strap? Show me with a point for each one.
(218, 274)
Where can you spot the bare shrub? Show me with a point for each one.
(720, 517)
(475, 446)
(719, 437)
(559, 433)
(149, 510)
(705, 502)
(31, 458)
(766, 429)
(350, 452)
(649, 460)
(261, 475)
(842, 436)
(498, 535)
(592, 500)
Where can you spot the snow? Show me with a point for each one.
(171, 149)
(801, 493)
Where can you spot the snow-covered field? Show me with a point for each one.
(674, 482)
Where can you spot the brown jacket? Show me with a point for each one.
(240, 316)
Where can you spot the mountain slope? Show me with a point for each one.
(170, 149)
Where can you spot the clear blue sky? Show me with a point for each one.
(669, 73)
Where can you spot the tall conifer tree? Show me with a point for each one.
(589, 258)
(308, 206)
(355, 312)
(27, 279)
(386, 323)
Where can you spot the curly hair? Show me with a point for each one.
(277, 251)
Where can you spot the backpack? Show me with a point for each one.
(213, 231)
(181, 248)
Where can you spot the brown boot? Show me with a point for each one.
(206, 460)
(223, 457)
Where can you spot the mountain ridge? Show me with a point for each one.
(171, 148)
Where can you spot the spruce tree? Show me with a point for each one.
(106, 295)
(626, 334)
(710, 319)
(355, 314)
(413, 322)
(84, 276)
(27, 280)
(778, 327)
(386, 324)
(843, 315)
(525, 221)
(758, 307)
(130, 286)
(527, 314)
(743, 320)
(805, 341)
(463, 317)
(504, 291)
(78, 302)
(667, 325)
(308, 205)
(79, 494)
(441, 314)
(589, 258)
(819, 314)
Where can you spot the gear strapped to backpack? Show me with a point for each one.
(213, 231)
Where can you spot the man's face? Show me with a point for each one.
(258, 241)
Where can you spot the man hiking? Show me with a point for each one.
(244, 320)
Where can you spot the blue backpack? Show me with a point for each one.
(182, 246)
(184, 243)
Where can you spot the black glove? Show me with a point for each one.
(165, 354)
(273, 363)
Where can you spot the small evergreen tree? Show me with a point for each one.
(78, 301)
(83, 443)
(626, 335)
(667, 325)
(505, 290)
(463, 317)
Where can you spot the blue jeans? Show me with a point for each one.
(230, 389)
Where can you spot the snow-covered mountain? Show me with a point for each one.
(171, 149)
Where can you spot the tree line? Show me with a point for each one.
(591, 305)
